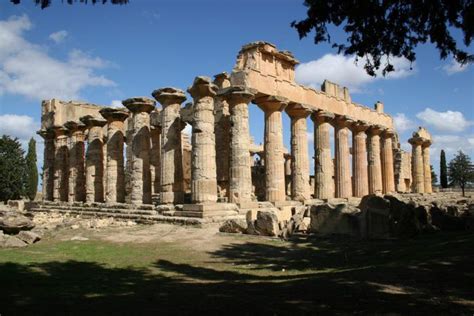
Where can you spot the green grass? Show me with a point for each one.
(432, 274)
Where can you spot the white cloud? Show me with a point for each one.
(454, 67)
(451, 144)
(344, 71)
(21, 126)
(449, 121)
(58, 36)
(26, 69)
(116, 104)
(402, 122)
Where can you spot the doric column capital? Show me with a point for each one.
(60, 131)
(76, 128)
(222, 80)
(139, 104)
(169, 95)
(414, 141)
(427, 143)
(360, 126)
(298, 110)
(375, 130)
(46, 133)
(343, 121)
(271, 103)
(202, 87)
(91, 121)
(237, 94)
(322, 117)
(388, 133)
(111, 114)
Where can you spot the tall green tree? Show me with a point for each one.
(378, 30)
(434, 176)
(31, 171)
(461, 171)
(443, 170)
(12, 169)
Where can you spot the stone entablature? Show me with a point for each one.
(211, 172)
(262, 67)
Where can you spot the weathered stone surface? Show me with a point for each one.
(267, 223)
(13, 223)
(13, 242)
(28, 237)
(234, 226)
(18, 205)
(341, 219)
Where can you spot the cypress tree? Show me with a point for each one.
(443, 170)
(31, 171)
(12, 169)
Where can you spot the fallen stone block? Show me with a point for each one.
(28, 237)
(233, 226)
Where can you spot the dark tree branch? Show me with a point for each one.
(379, 29)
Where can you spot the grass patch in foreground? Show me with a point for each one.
(431, 274)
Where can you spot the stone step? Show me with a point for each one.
(96, 209)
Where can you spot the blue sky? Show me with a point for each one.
(103, 54)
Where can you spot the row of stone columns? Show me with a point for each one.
(154, 153)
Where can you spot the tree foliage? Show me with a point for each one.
(461, 171)
(443, 170)
(434, 176)
(46, 3)
(12, 169)
(380, 29)
(31, 171)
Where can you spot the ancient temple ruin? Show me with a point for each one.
(138, 157)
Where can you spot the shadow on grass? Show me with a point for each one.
(431, 275)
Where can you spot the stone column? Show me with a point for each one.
(61, 166)
(171, 175)
(77, 177)
(323, 167)
(300, 190)
(427, 166)
(342, 156)
(417, 165)
(203, 162)
(273, 147)
(155, 159)
(375, 165)
(222, 129)
(48, 164)
(114, 173)
(240, 186)
(359, 159)
(94, 159)
(388, 179)
(138, 139)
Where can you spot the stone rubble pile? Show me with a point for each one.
(15, 229)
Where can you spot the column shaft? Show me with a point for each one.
(139, 134)
(387, 162)
(155, 160)
(359, 160)
(427, 167)
(240, 182)
(300, 190)
(374, 161)
(342, 157)
(323, 166)
(171, 168)
(76, 188)
(418, 168)
(95, 165)
(61, 167)
(203, 167)
(48, 164)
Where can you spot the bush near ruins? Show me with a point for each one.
(12, 169)
(461, 171)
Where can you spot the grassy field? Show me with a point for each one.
(432, 274)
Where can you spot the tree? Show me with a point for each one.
(12, 169)
(461, 171)
(31, 171)
(434, 177)
(443, 170)
(46, 3)
(380, 29)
